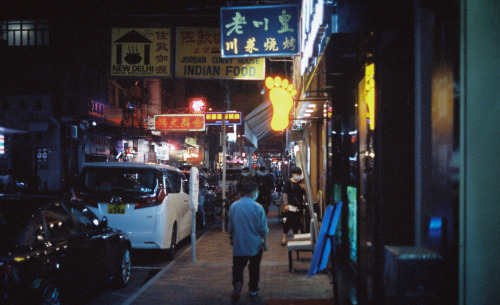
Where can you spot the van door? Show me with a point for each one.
(179, 201)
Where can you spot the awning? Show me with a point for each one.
(258, 123)
(9, 126)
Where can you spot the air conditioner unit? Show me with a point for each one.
(72, 131)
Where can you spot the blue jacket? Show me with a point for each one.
(248, 226)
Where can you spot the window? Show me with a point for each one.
(84, 220)
(25, 33)
(56, 220)
(173, 182)
(120, 179)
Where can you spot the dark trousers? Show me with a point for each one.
(292, 222)
(239, 264)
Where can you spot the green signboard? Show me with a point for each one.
(260, 31)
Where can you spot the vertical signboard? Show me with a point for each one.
(144, 52)
(260, 31)
(198, 56)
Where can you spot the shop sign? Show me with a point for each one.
(260, 31)
(312, 15)
(162, 152)
(198, 56)
(97, 144)
(197, 105)
(2, 144)
(215, 118)
(96, 108)
(180, 122)
(142, 52)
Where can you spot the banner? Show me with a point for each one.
(198, 56)
(144, 52)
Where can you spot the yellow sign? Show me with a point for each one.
(198, 56)
(141, 52)
(370, 93)
(281, 93)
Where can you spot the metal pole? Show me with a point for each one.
(224, 173)
(193, 236)
(302, 159)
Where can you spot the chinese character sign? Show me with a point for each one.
(198, 56)
(215, 118)
(257, 31)
(180, 122)
(141, 52)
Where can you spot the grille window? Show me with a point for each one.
(20, 33)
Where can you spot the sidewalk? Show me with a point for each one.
(208, 280)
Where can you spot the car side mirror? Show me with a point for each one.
(104, 223)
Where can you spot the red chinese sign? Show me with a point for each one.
(180, 122)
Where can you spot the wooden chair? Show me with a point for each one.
(302, 242)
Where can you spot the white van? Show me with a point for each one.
(148, 202)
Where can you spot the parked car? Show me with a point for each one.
(48, 249)
(149, 202)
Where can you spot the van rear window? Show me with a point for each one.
(119, 179)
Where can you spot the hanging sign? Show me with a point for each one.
(179, 122)
(260, 31)
(142, 52)
(215, 118)
(198, 56)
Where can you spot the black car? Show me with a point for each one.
(50, 248)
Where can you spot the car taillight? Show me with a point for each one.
(5, 271)
(147, 202)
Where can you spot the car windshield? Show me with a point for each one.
(15, 215)
(119, 179)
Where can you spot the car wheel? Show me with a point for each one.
(173, 243)
(122, 275)
(50, 293)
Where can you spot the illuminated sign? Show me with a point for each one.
(179, 122)
(370, 94)
(198, 56)
(260, 31)
(141, 52)
(197, 105)
(96, 108)
(2, 144)
(215, 118)
(281, 95)
(312, 20)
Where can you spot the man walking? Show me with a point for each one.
(266, 187)
(248, 232)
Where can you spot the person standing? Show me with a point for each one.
(246, 176)
(266, 187)
(248, 232)
(294, 191)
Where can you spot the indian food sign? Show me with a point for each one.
(180, 122)
(260, 31)
(198, 56)
(144, 52)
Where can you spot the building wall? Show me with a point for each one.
(479, 188)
